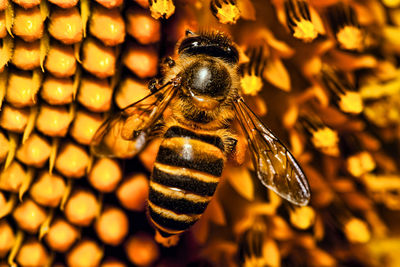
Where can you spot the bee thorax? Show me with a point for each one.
(207, 78)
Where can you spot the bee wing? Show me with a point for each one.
(275, 166)
(126, 133)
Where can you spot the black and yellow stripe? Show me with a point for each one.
(185, 176)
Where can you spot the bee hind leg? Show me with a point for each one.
(230, 144)
(238, 151)
(169, 241)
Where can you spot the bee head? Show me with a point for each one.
(213, 44)
(208, 76)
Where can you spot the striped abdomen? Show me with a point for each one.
(185, 175)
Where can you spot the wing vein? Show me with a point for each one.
(275, 166)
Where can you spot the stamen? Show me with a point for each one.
(384, 112)
(161, 8)
(322, 137)
(359, 160)
(298, 20)
(252, 246)
(344, 95)
(251, 72)
(345, 27)
(384, 188)
(226, 11)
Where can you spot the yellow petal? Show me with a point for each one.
(391, 3)
(3, 85)
(357, 231)
(17, 244)
(77, 81)
(218, 214)
(302, 217)
(241, 180)
(275, 72)
(6, 51)
(44, 10)
(8, 207)
(247, 10)
(9, 18)
(280, 47)
(384, 248)
(85, 14)
(44, 49)
(317, 21)
(392, 37)
(26, 182)
(45, 227)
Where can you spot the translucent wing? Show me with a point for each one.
(125, 134)
(274, 164)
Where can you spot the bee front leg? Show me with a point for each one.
(168, 61)
(153, 85)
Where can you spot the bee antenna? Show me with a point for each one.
(189, 32)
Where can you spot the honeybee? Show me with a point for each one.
(200, 92)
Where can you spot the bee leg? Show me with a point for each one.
(153, 85)
(166, 241)
(189, 32)
(230, 144)
(168, 61)
(238, 153)
(158, 129)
